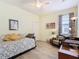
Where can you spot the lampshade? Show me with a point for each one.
(74, 18)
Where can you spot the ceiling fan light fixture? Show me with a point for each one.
(38, 4)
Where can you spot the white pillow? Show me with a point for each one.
(1, 38)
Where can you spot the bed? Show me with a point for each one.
(11, 49)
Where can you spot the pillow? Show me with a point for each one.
(30, 35)
(12, 37)
(1, 38)
(6, 38)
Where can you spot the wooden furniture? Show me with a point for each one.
(72, 42)
(66, 52)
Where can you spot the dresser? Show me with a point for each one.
(68, 52)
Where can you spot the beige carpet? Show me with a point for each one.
(42, 51)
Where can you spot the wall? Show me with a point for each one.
(45, 33)
(78, 23)
(28, 22)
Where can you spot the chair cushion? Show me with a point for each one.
(56, 42)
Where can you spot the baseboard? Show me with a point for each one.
(13, 57)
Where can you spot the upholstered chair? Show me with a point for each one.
(58, 40)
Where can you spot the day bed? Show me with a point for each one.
(11, 49)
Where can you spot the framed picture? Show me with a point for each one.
(13, 24)
(50, 25)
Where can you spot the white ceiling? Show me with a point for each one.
(49, 6)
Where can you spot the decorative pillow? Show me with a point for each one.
(12, 37)
(6, 38)
(30, 35)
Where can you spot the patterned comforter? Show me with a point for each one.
(11, 48)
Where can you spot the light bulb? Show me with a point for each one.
(38, 5)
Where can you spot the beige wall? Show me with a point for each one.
(78, 23)
(45, 33)
(28, 22)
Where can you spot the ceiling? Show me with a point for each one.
(48, 5)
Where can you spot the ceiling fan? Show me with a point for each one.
(43, 3)
(40, 4)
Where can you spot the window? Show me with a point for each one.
(67, 26)
(64, 25)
